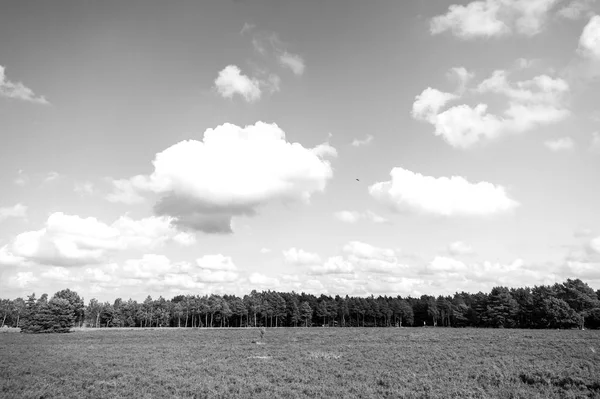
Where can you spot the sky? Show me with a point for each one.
(322, 146)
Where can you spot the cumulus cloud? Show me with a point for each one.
(261, 280)
(231, 81)
(333, 265)
(494, 18)
(292, 61)
(589, 41)
(354, 216)
(360, 142)
(15, 211)
(531, 103)
(18, 90)
(216, 269)
(458, 248)
(368, 258)
(233, 171)
(300, 257)
(69, 240)
(265, 251)
(454, 196)
(560, 144)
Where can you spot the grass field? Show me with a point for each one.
(301, 362)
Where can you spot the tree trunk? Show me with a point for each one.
(186, 317)
(97, 319)
(18, 320)
(3, 320)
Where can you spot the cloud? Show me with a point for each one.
(69, 240)
(265, 250)
(18, 90)
(348, 216)
(560, 144)
(258, 279)
(22, 178)
(231, 81)
(493, 18)
(15, 211)
(577, 9)
(233, 171)
(268, 44)
(354, 216)
(463, 76)
(247, 28)
(300, 257)
(216, 262)
(589, 41)
(124, 192)
(368, 258)
(458, 248)
(367, 140)
(428, 104)
(216, 269)
(85, 188)
(454, 196)
(333, 265)
(531, 103)
(52, 176)
(293, 62)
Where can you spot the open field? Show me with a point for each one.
(301, 362)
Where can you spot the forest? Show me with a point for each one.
(571, 304)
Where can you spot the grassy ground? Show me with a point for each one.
(291, 363)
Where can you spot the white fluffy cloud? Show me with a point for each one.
(531, 103)
(69, 240)
(300, 257)
(261, 280)
(293, 62)
(234, 171)
(368, 258)
(560, 144)
(494, 18)
(589, 42)
(231, 81)
(454, 196)
(15, 211)
(18, 90)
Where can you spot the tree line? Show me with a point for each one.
(572, 304)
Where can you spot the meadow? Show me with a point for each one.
(302, 362)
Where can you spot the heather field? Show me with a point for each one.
(302, 362)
